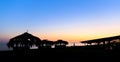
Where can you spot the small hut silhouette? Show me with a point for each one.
(45, 44)
(23, 41)
(60, 44)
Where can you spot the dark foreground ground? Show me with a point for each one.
(60, 55)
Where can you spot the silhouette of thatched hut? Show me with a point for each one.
(60, 44)
(23, 41)
(45, 44)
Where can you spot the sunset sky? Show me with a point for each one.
(70, 20)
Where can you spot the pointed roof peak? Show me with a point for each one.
(26, 33)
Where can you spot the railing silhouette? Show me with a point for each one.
(105, 43)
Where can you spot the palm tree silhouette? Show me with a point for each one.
(60, 43)
(23, 41)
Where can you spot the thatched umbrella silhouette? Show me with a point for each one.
(60, 43)
(23, 41)
(45, 44)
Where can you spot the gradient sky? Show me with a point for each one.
(70, 20)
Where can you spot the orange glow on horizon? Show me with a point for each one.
(70, 36)
(75, 37)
